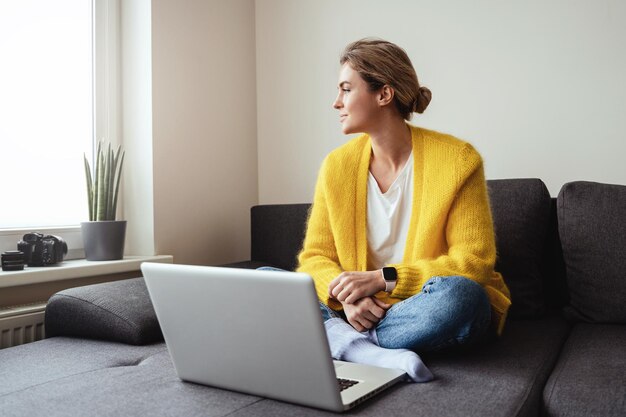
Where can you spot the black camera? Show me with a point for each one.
(40, 250)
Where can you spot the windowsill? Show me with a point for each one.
(79, 268)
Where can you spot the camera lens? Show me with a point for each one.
(12, 260)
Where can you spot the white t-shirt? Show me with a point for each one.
(388, 217)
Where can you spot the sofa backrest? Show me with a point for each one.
(526, 239)
(555, 283)
(277, 232)
(592, 227)
(525, 230)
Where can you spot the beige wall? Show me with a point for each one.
(204, 129)
(536, 86)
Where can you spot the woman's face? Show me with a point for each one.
(358, 107)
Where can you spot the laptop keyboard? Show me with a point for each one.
(346, 383)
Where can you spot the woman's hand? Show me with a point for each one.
(365, 313)
(349, 287)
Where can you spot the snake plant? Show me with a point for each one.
(103, 183)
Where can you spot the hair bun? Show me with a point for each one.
(423, 99)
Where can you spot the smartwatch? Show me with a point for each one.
(391, 276)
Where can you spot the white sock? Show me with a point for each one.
(347, 344)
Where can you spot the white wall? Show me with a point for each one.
(204, 129)
(536, 86)
(136, 75)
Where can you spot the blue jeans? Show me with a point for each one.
(447, 312)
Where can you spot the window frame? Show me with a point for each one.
(106, 115)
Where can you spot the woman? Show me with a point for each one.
(399, 240)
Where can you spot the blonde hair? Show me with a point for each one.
(381, 63)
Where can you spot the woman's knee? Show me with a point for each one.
(270, 268)
(449, 311)
(462, 303)
(469, 303)
(457, 290)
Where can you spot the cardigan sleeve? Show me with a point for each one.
(469, 235)
(318, 257)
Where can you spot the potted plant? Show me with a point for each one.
(103, 236)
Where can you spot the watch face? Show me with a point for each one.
(390, 273)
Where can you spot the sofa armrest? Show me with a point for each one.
(118, 311)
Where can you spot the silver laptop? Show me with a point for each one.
(257, 332)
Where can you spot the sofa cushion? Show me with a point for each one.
(521, 214)
(592, 226)
(135, 381)
(73, 377)
(117, 311)
(50, 360)
(589, 377)
(505, 378)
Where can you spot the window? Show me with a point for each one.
(46, 107)
(49, 114)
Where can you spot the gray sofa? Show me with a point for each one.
(562, 351)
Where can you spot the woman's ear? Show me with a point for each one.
(385, 96)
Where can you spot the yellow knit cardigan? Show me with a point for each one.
(450, 232)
